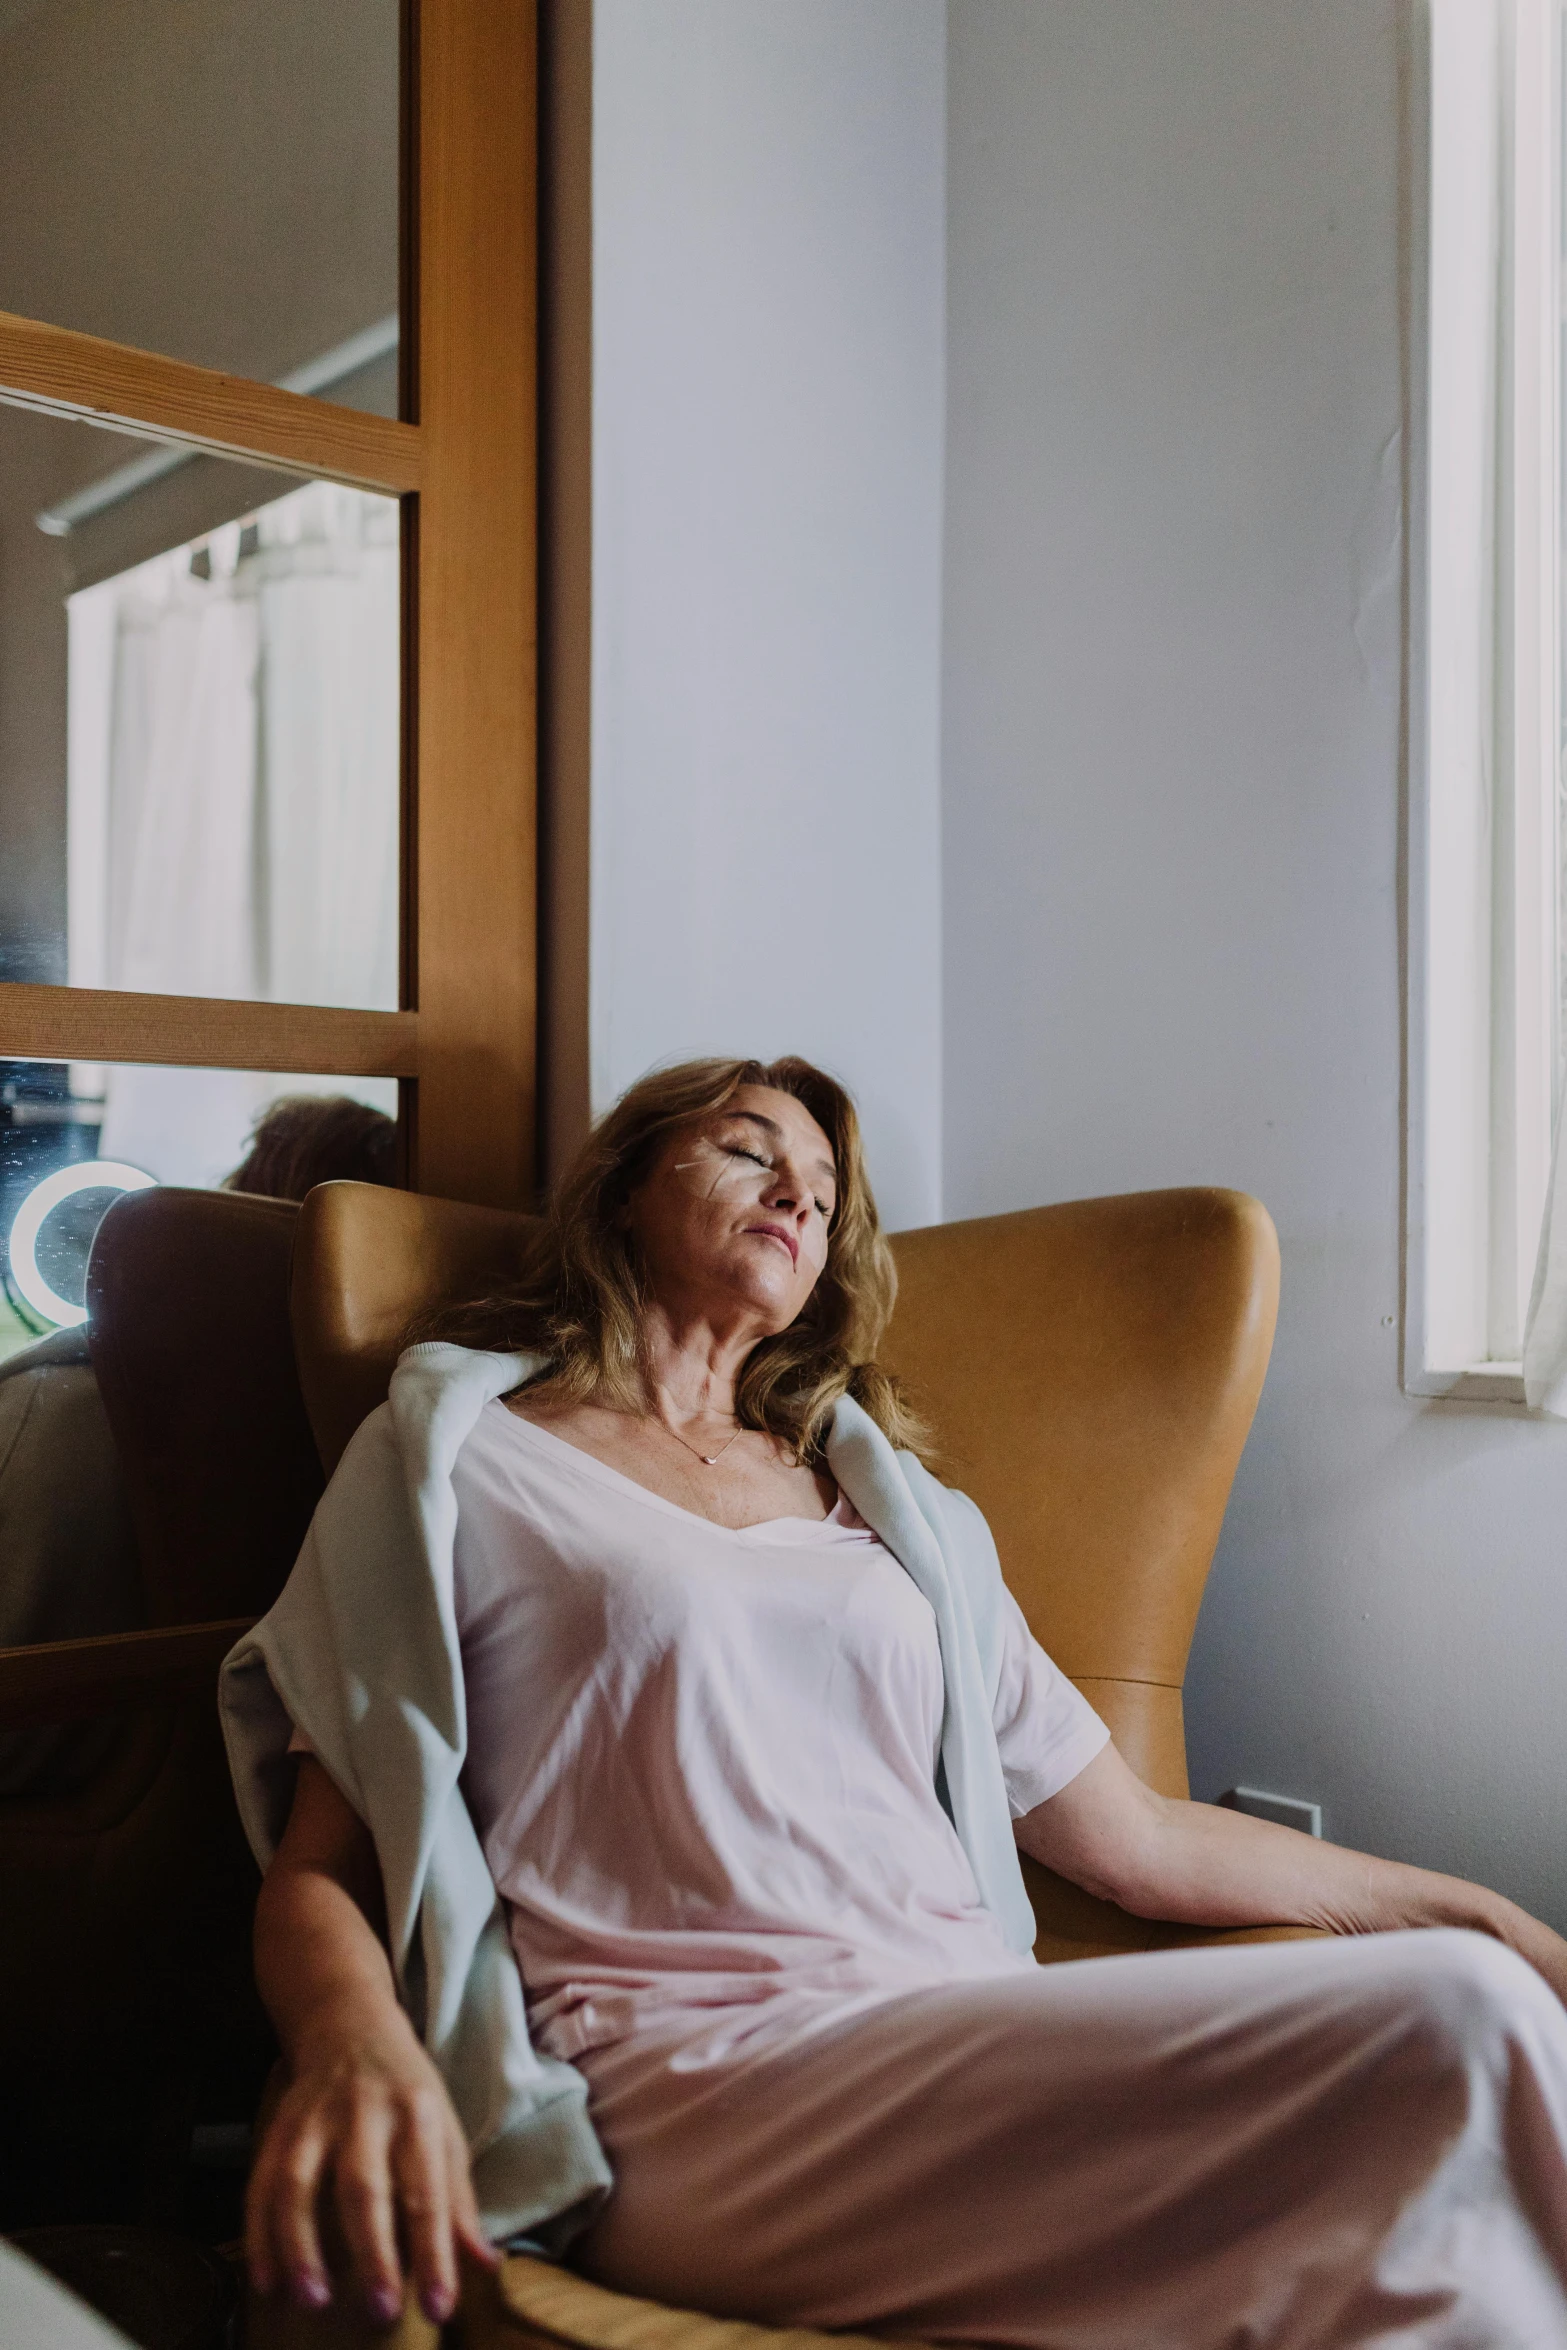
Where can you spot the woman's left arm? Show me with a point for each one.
(1196, 1865)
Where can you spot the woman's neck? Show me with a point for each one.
(694, 1365)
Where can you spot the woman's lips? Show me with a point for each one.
(777, 1232)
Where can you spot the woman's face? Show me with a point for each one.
(735, 1212)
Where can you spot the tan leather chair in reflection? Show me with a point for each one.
(127, 1901)
(1091, 1371)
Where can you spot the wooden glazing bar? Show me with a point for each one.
(565, 572)
(204, 1032)
(63, 373)
(118, 1672)
(474, 816)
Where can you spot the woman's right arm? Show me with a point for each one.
(365, 2105)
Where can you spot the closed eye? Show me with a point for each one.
(737, 1150)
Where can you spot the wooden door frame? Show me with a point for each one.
(565, 244)
(464, 465)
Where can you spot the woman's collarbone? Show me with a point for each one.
(749, 1486)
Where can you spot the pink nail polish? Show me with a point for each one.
(437, 2302)
(385, 2304)
(313, 2292)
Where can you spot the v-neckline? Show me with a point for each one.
(602, 1473)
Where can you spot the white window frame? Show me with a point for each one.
(1485, 691)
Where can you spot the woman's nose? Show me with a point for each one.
(785, 1194)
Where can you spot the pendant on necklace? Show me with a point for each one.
(709, 1460)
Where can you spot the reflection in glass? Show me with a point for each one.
(217, 182)
(71, 1139)
(199, 730)
(68, 1558)
(233, 771)
(52, 1232)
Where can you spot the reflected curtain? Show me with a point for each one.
(249, 794)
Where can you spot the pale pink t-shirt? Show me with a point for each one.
(703, 1762)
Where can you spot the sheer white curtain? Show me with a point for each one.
(1542, 117)
(326, 582)
(1545, 1337)
(234, 798)
(1485, 973)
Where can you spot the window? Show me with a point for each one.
(1485, 874)
(231, 735)
(446, 1009)
(66, 1152)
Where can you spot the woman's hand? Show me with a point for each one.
(366, 2117)
(368, 2114)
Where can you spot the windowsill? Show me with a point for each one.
(1472, 1383)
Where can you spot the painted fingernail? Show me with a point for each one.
(438, 2302)
(385, 2304)
(313, 2292)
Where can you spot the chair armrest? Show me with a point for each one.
(117, 1672)
(536, 2302)
(1075, 1924)
(1218, 1937)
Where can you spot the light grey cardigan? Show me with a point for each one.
(361, 1652)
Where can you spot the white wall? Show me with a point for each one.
(1172, 826)
(768, 196)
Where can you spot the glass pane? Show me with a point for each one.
(216, 182)
(71, 1141)
(73, 1136)
(199, 725)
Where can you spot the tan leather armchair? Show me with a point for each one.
(1091, 1370)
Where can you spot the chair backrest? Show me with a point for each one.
(187, 1295)
(1090, 1371)
(368, 1263)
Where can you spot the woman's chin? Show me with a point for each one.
(771, 1294)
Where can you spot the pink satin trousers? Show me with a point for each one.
(1323, 2144)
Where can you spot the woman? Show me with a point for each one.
(719, 1741)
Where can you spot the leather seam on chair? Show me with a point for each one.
(28, 1410)
(1129, 1681)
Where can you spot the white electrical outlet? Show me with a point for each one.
(1287, 1810)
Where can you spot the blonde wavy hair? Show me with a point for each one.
(581, 1299)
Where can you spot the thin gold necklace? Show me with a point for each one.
(708, 1459)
